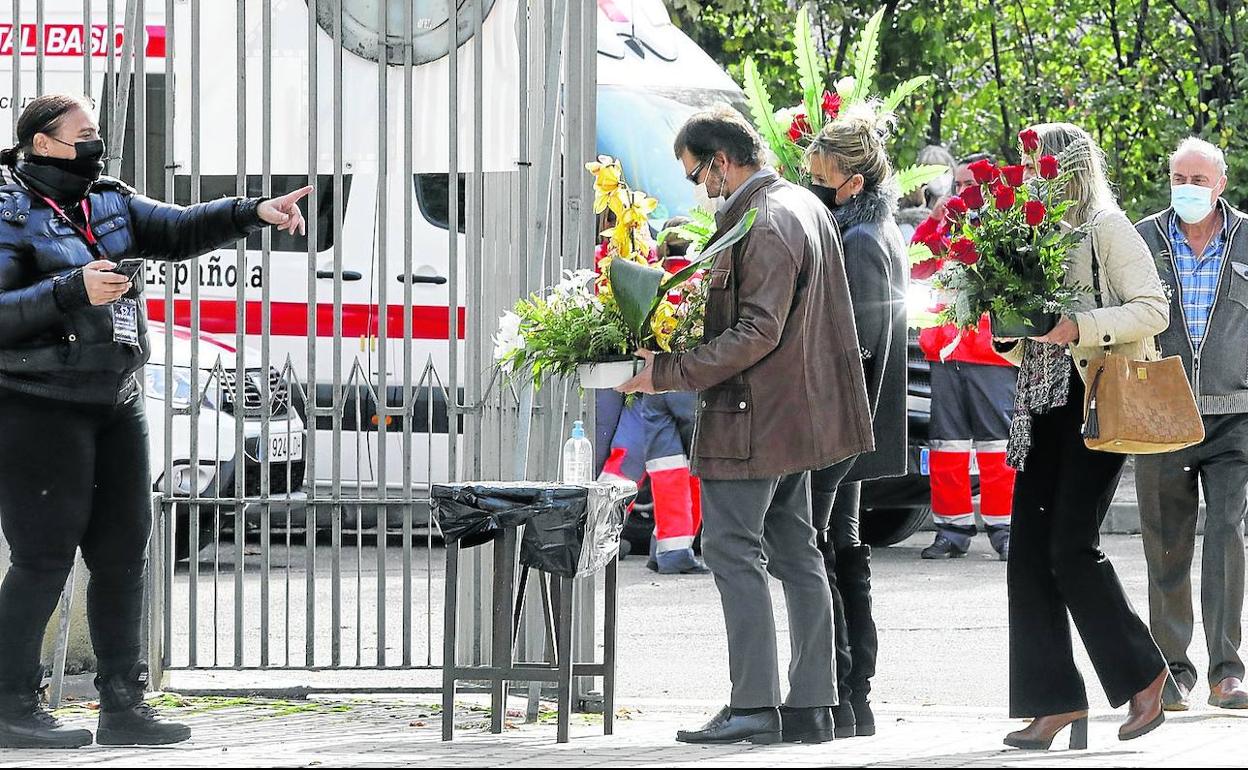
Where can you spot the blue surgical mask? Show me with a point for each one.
(1191, 202)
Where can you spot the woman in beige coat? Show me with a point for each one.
(1063, 490)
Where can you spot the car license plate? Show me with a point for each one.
(284, 448)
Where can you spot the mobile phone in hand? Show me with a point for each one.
(129, 268)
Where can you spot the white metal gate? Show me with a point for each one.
(314, 388)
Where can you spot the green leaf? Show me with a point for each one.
(911, 179)
(636, 287)
(736, 233)
(698, 231)
(765, 118)
(866, 56)
(810, 70)
(904, 90)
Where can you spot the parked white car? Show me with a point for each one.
(221, 398)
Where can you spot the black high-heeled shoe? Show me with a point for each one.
(1039, 735)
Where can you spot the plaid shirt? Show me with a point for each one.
(1198, 278)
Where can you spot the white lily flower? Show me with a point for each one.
(508, 340)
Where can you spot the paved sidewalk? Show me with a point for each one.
(391, 732)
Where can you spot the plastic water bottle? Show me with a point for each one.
(578, 457)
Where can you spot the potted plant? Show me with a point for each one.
(592, 321)
(1011, 247)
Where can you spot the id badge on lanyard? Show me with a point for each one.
(126, 322)
(125, 311)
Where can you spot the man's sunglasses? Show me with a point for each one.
(692, 176)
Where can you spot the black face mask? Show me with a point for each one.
(828, 194)
(65, 179)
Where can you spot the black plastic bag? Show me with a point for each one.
(571, 529)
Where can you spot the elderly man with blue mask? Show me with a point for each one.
(1202, 255)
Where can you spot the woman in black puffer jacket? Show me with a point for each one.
(74, 466)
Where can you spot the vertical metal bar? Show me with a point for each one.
(140, 180)
(477, 217)
(566, 626)
(339, 395)
(409, 400)
(87, 48)
(159, 557)
(311, 406)
(266, 327)
(40, 31)
(522, 245)
(452, 233)
(196, 193)
(503, 638)
(61, 650)
(240, 339)
(579, 139)
(121, 104)
(430, 377)
(16, 92)
(383, 314)
(110, 40)
(610, 615)
(449, 631)
(166, 514)
(139, 48)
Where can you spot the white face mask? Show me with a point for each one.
(702, 195)
(1192, 202)
(703, 200)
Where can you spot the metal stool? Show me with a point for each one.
(559, 616)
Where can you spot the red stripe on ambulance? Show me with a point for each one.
(290, 319)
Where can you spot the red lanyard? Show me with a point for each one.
(86, 218)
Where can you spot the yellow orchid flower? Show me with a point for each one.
(609, 188)
(664, 324)
(637, 209)
(605, 296)
(603, 162)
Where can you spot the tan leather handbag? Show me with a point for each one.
(1140, 407)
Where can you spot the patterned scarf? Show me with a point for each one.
(1043, 385)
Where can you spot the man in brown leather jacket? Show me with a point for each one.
(781, 393)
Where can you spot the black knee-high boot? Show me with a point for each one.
(853, 571)
(843, 712)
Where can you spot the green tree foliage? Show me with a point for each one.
(1138, 74)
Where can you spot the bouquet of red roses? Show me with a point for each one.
(1010, 246)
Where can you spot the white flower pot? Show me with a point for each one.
(608, 376)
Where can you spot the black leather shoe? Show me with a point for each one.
(125, 720)
(807, 725)
(725, 727)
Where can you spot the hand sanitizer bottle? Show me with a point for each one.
(578, 457)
